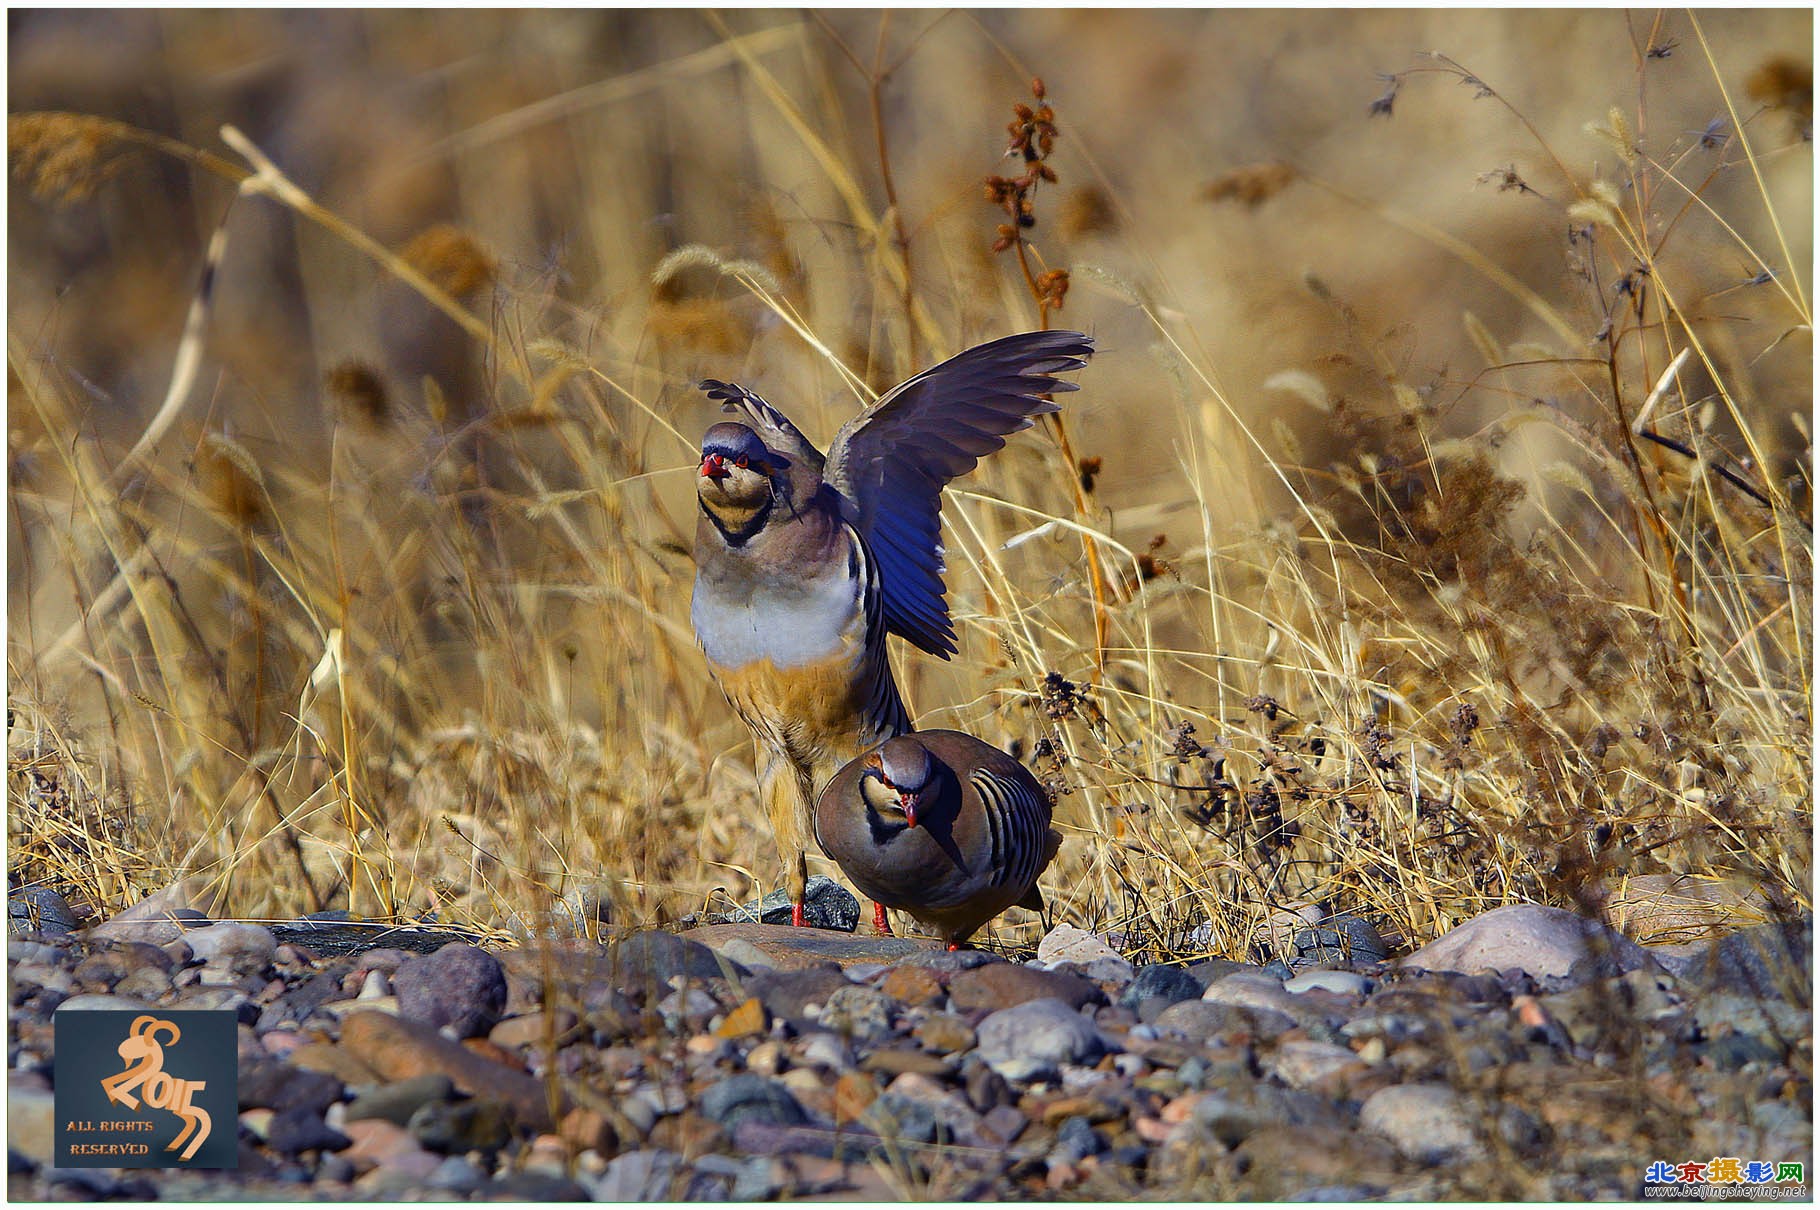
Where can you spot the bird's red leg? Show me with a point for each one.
(797, 919)
(879, 920)
(954, 947)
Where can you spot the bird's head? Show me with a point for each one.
(738, 474)
(896, 777)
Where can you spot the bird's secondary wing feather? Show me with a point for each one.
(891, 461)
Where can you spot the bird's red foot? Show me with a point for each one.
(797, 918)
(954, 947)
(879, 921)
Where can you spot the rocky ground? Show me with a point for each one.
(1528, 1054)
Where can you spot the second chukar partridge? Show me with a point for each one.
(805, 563)
(940, 825)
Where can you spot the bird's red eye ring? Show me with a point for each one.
(740, 462)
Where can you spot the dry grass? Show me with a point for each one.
(1356, 578)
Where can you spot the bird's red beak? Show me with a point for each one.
(713, 466)
(909, 801)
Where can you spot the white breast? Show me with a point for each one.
(790, 624)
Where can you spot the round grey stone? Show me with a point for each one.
(1426, 1122)
(858, 1012)
(1542, 941)
(1202, 1020)
(751, 1098)
(652, 958)
(460, 988)
(240, 949)
(1167, 983)
(1338, 940)
(1038, 1031)
(457, 1127)
(457, 1175)
(1343, 983)
(39, 910)
(396, 1102)
(296, 1130)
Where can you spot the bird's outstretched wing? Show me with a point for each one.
(772, 426)
(891, 461)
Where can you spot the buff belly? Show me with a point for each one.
(808, 723)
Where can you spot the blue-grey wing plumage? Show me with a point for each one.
(891, 462)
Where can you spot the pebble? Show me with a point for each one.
(270, 1084)
(1067, 943)
(1301, 1063)
(1167, 984)
(1541, 941)
(398, 1049)
(1035, 1034)
(913, 985)
(39, 910)
(858, 1012)
(100, 1001)
(459, 988)
(296, 1129)
(1237, 1111)
(233, 947)
(1202, 1020)
(652, 958)
(373, 1142)
(397, 1101)
(748, 1019)
(685, 1008)
(1341, 983)
(1001, 985)
(826, 905)
(456, 1175)
(31, 1123)
(946, 1034)
(1426, 1122)
(456, 1127)
(1340, 940)
(637, 1176)
(788, 994)
(826, 1050)
(916, 1108)
(534, 1029)
(751, 1098)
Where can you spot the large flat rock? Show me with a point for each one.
(784, 948)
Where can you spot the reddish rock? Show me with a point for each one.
(786, 948)
(374, 1141)
(399, 1050)
(1002, 985)
(535, 1029)
(332, 1060)
(946, 1034)
(854, 1092)
(912, 985)
(488, 1049)
(895, 1061)
(744, 1021)
(586, 1130)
